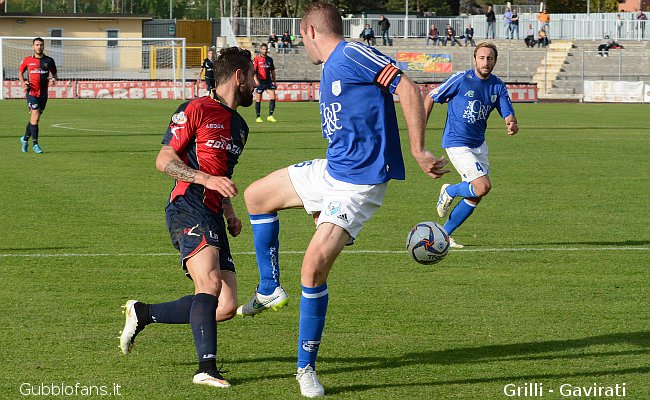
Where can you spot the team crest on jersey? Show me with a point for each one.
(333, 207)
(336, 88)
(493, 98)
(179, 118)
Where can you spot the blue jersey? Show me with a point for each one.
(471, 100)
(358, 115)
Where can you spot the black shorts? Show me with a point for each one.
(36, 103)
(264, 85)
(192, 228)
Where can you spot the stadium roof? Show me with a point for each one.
(77, 16)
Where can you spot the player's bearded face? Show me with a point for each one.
(484, 62)
(38, 47)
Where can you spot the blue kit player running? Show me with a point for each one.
(472, 96)
(343, 191)
(38, 67)
(200, 150)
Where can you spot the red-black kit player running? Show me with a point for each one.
(38, 67)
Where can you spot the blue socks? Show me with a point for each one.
(204, 329)
(463, 189)
(458, 215)
(266, 228)
(172, 312)
(313, 308)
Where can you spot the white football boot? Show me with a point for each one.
(260, 302)
(444, 201)
(309, 385)
(212, 378)
(454, 244)
(130, 327)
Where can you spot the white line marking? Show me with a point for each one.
(478, 250)
(63, 126)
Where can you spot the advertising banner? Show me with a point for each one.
(434, 63)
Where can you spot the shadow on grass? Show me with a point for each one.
(544, 350)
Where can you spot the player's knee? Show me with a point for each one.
(207, 284)
(226, 312)
(253, 198)
(481, 187)
(312, 277)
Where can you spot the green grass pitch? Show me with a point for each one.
(552, 288)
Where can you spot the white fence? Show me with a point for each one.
(562, 26)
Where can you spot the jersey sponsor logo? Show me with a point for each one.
(310, 346)
(330, 119)
(213, 126)
(224, 144)
(476, 111)
(336, 88)
(333, 208)
(39, 71)
(179, 118)
(470, 93)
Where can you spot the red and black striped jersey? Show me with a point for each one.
(263, 67)
(208, 136)
(39, 70)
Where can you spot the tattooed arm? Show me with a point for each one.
(171, 164)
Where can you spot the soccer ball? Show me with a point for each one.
(427, 243)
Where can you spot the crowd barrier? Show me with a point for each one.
(286, 91)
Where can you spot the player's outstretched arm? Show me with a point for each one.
(413, 110)
(511, 123)
(171, 164)
(428, 107)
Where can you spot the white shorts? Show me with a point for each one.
(471, 163)
(340, 203)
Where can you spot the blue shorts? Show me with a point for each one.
(36, 103)
(192, 228)
(264, 85)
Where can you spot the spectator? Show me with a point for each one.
(619, 26)
(433, 35)
(491, 20)
(605, 45)
(514, 24)
(642, 18)
(450, 35)
(285, 40)
(273, 42)
(530, 37)
(384, 25)
(543, 39)
(507, 23)
(469, 35)
(545, 19)
(368, 35)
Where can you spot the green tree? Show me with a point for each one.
(440, 7)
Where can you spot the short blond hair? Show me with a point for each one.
(489, 46)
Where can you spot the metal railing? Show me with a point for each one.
(562, 26)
